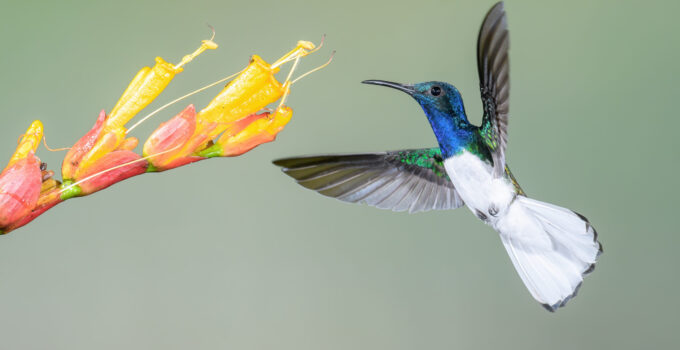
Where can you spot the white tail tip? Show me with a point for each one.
(551, 247)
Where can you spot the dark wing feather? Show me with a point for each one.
(409, 180)
(494, 81)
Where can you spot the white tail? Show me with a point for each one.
(551, 247)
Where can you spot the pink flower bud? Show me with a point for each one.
(20, 187)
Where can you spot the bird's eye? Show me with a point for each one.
(435, 91)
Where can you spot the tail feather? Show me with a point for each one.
(551, 247)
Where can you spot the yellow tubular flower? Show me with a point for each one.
(143, 89)
(146, 86)
(29, 142)
(250, 91)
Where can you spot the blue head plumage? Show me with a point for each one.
(443, 106)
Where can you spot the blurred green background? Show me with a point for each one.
(232, 254)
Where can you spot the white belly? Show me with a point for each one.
(486, 196)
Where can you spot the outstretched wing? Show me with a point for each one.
(494, 80)
(413, 180)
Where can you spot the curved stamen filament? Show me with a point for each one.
(287, 83)
(213, 31)
(53, 149)
(315, 69)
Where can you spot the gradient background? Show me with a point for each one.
(232, 254)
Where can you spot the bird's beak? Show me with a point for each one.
(407, 88)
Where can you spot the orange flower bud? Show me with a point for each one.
(98, 142)
(174, 142)
(110, 169)
(79, 150)
(111, 153)
(249, 133)
(261, 130)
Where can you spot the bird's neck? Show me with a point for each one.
(452, 129)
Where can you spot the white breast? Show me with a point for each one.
(486, 196)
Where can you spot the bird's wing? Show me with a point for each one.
(413, 180)
(494, 81)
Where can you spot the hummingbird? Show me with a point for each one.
(551, 247)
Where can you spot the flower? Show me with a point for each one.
(21, 180)
(252, 90)
(143, 89)
(173, 143)
(104, 155)
(188, 137)
(83, 175)
(250, 132)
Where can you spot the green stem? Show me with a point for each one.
(151, 168)
(69, 190)
(211, 152)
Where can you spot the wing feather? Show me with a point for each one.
(493, 64)
(413, 180)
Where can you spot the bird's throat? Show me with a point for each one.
(454, 133)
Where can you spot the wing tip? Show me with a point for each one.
(300, 162)
(281, 162)
(498, 9)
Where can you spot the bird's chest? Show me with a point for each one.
(487, 197)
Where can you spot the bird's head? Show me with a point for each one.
(438, 99)
(444, 109)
